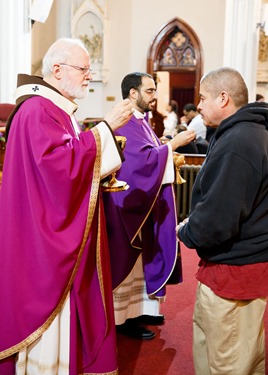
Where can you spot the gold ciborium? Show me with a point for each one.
(113, 184)
(179, 160)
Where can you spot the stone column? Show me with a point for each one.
(15, 42)
(241, 40)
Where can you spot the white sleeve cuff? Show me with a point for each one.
(110, 159)
(169, 175)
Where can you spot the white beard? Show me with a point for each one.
(79, 92)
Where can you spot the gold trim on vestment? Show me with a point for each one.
(93, 197)
(148, 213)
(42, 368)
(176, 253)
(139, 229)
(98, 246)
(135, 294)
(100, 373)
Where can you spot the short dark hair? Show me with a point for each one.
(189, 107)
(174, 106)
(132, 81)
(259, 96)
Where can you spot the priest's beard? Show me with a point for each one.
(78, 92)
(143, 105)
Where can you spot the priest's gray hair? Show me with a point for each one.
(59, 52)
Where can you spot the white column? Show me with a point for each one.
(242, 39)
(15, 42)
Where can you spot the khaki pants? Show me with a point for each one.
(228, 335)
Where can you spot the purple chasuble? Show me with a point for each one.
(53, 238)
(147, 206)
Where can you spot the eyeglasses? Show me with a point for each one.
(85, 70)
(149, 91)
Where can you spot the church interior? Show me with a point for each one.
(176, 41)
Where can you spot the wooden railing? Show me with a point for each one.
(194, 159)
(188, 172)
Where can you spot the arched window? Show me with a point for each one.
(176, 49)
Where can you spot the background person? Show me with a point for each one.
(56, 305)
(193, 120)
(227, 226)
(189, 148)
(171, 119)
(143, 246)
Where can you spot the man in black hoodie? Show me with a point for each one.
(228, 227)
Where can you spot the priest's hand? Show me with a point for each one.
(120, 114)
(183, 138)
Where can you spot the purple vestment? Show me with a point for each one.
(53, 238)
(147, 206)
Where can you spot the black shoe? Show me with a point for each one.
(134, 330)
(151, 320)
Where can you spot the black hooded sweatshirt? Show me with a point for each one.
(228, 221)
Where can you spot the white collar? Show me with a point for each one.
(36, 89)
(138, 114)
